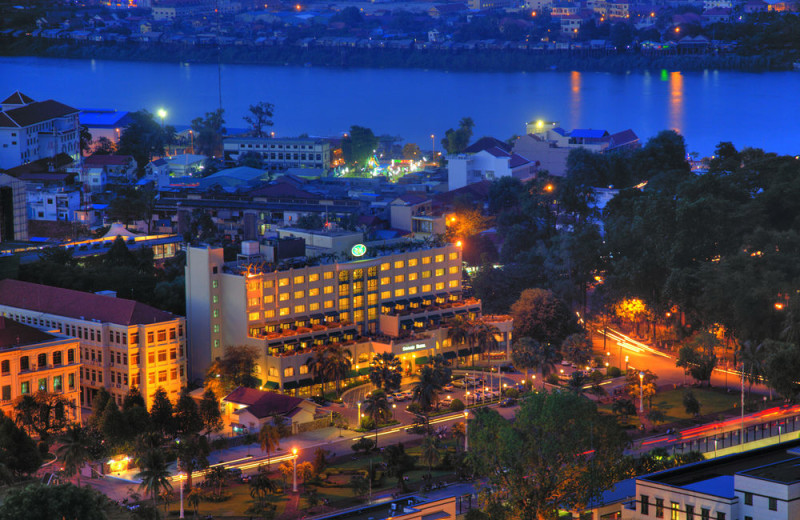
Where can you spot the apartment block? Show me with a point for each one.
(397, 300)
(281, 153)
(33, 360)
(122, 343)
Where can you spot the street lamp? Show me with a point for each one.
(641, 392)
(162, 114)
(466, 431)
(626, 364)
(359, 414)
(294, 470)
(180, 481)
(433, 148)
(393, 408)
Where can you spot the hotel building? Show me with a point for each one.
(398, 300)
(122, 343)
(33, 360)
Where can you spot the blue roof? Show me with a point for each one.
(103, 118)
(587, 133)
(622, 490)
(721, 486)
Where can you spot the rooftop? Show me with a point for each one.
(78, 304)
(785, 472)
(15, 334)
(35, 112)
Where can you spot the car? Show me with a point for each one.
(566, 363)
(448, 387)
(505, 403)
(244, 479)
(459, 383)
(390, 398)
(234, 473)
(399, 397)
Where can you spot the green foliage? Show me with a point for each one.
(363, 444)
(187, 416)
(260, 116)
(398, 462)
(53, 503)
(781, 367)
(143, 138)
(209, 411)
(208, 132)
(540, 315)
(456, 405)
(235, 369)
(359, 484)
(690, 403)
(18, 451)
(359, 145)
(42, 413)
(455, 141)
(525, 457)
(161, 413)
(614, 372)
(697, 356)
(386, 372)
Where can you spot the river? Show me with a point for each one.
(758, 110)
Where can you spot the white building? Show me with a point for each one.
(489, 164)
(32, 130)
(53, 203)
(762, 484)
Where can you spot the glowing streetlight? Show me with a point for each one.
(466, 431)
(394, 406)
(294, 470)
(433, 147)
(641, 392)
(162, 114)
(459, 243)
(359, 414)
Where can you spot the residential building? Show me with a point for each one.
(489, 164)
(97, 171)
(123, 343)
(248, 409)
(104, 123)
(376, 299)
(32, 360)
(32, 130)
(760, 484)
(279, 154)
(53, 203)
(13, 213)
(413, 213)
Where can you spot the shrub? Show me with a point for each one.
(457, 405)
(513, 393)
(367, 423)
(614, 372)
(219, 444)
(552, 379)
(363, 444)
(414, 408)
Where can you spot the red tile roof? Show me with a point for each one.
(263, 404)
(36, 112)
(15, 334)
(78, 304)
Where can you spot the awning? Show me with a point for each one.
(317, 316)
(421, 360)
(463, 352)
(401, 303)
(450, 355)
(306, 382)
(332, 314)
(461, 311)
(416, 299)
(272, 385)
(291, 385)
(448, 314)
(407, 322)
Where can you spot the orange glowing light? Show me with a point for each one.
(549, 188)
(778, 306)
(459, 243)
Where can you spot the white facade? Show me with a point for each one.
(466, 169)
(53, 203)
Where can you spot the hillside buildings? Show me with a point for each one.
(376, 299)
(121, 343)
(32, 130)
(33, 360)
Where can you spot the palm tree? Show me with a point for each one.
(339, 361)
(193, 499)
(317, 366)
(430, 452)
(459, 430)
(153, 475)
(425, 390)
(752, 357)
(441, 368)
(386, 372)
(377, 408)
(260, 487)
(74, 450)
(460, 330)
(483, 337)
(270, 438)
(545, 357)
(522, 354)
(217, 476)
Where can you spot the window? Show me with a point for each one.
(299, 279)
(57, 357)
(426, 260)
(162, 356)
(328, 304)
(162, 376)
(344, 304)
(358, 301)
(70, 356)
(173, 374)
(71, 381)
(659, 508)
(288, 372)
(748, 518)
(269, 314)
(328, 289)
(173, 353)
(385, 295)
(358, 274)
(344, 316)
(253, 316)
(151, 336)
(43, 385)
(135, 338)
(283, 282)
(151, 378)
(216, 325)
(283, 297)
(215, 284)
(440, 286)
(385, 266)
(412, 277)
(372, 285)
(269, 298)
(313, 306)
(6, 393)
(151, 358)
(453, 256)
(42, 360)
(299, 294)
(25, 387)
(675, 511)
(57, 385)
(720, 515)
(412, 290)
(773, 504)
(162, 336)
(399, 278)
(439, 272)
(284, 311)
(426, 274)
(412, 262)
(299, 309)
(328, 275)
(344, 290)
(372, 271)
(453, 269)
(385, 280)
(439, 258)
(313, 277)
(399, 292)
(705, 514)
(748, 499)
(313, 292)
(251, 302)
(344, 276)
(644, 502)
(426, 288)
(398, 264)
(269, 284)
(5, 366)
(452, 283)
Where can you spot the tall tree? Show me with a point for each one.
(559, 453)
(378, 409)
(455, 141)
(339, 361)
(697, 356)
(153, 474)
(42, 413)
(18, 452)
(208, 133)
(359, 145)
(425, 390)
(161, 413)
(781, 367)
(209, 412)
(538, 314)
(260, 116)
(143, 138)
(187, 416)
(270, 439)
(46, 502)
(192, 451)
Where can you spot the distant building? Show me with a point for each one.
(247, 409)
(279, 154)
(488, 164)
(32, 360)
(32, 130)
(53, 203)
(123, 343)
(99, 170)
(105, 123)
(13, 212)
(414, 213)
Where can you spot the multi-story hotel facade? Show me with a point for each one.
(32, 360)
(396, 301)
(122, 343)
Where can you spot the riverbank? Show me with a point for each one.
(475, 60)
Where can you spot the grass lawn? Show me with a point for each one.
(712, 401)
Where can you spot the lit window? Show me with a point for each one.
(303, 369)
(253, 316)
(313, 277)
(299, 279)
(399, 278)
(313, 307)
(288, 372)
(269, 284)
(344, 303)
(399, 264)
(328, 304)
(453, 269)
(412, 290)
(385, 295)
(283, 297)
(313, 292)
(426, 274)
(269, 314)
(299, 294)
(372, 313)
(283, 282)
(299, 308)
(412, 277)
(328, 289)
(269, 298)
(372, 299)
(385, 266)
(399, 292)
(328, 275)
(426, 259)
(439, 258)
(440, 272)
(284, 311)
(385, 281)
(452, 283)
(440, 286)
(412, 262)
(358, 316)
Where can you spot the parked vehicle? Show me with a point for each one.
(505, 403)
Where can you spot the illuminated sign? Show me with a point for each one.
(358, 250)
(418, 346)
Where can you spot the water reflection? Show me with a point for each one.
(575, 99)
(676, 101)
